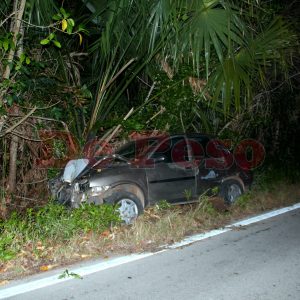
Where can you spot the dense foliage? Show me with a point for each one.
(225, 67)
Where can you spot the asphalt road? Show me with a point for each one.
(260, 261)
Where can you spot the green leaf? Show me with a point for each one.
(44, 42)
(185, 17)
(12, 44)
(62, 10)
(51, 36)
(9, 100)
(64, 13)
(69, 29)
(5, 45)
(67, 274)
(22, 57)
(75, 275)
(81, 28)
(18, 67)
(56, 43)
(8, 256)
(57, 17)
(28, 61)
(71, 22)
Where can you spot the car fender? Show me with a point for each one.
(131, 187)
(234, 177)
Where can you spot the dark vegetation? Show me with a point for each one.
(230, 68)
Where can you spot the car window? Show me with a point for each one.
(137, 148)
(173, 149)
(128, 150)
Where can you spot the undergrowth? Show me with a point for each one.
(52, 223)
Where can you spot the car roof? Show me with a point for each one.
(188, 135)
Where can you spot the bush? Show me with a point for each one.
(53, 223)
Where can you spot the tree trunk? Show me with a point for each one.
(19, 7)
(13, 154)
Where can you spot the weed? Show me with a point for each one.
(53, 172)
(52, 223)
(215, 191)
(66, 274)
(244, 200)
(163, 205)
(6, 253)
(187, 194)
(207, 207)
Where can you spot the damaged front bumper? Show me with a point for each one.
(78, 193)
(83, 193)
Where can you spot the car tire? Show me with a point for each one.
(128, 205)
(230, 190)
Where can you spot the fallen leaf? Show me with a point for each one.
(3, 269)
(4, 282)
(105, 233)
(47, 267)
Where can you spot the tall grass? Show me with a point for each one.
(52, 223)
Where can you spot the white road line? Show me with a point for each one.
(198, 237)
(87, 270)
(265, 216)
(82, 271)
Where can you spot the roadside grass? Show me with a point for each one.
(54, 236)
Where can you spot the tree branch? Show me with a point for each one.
(277, 87)
(6, 19)
(18, 123)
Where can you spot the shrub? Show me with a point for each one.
(53, 223)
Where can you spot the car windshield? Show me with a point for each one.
(136, 148)
(127, 150)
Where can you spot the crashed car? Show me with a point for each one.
(175, 168)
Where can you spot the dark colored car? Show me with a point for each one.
(176, 168)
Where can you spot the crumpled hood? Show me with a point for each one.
(74, 168)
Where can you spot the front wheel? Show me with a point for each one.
(231, 190)
(128, 205)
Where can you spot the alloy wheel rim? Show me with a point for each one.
(128, 210)
(234, 191)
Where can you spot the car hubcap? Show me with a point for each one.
(234, 191)
(128, 210)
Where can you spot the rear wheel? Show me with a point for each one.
(231, 190)
(127, 204)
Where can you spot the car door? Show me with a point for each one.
(172, 176)
(213, 162)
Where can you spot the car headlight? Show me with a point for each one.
(97, 190)
(76, 187)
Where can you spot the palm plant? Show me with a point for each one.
(213, 36)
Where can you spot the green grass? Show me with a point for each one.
(52, 223)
